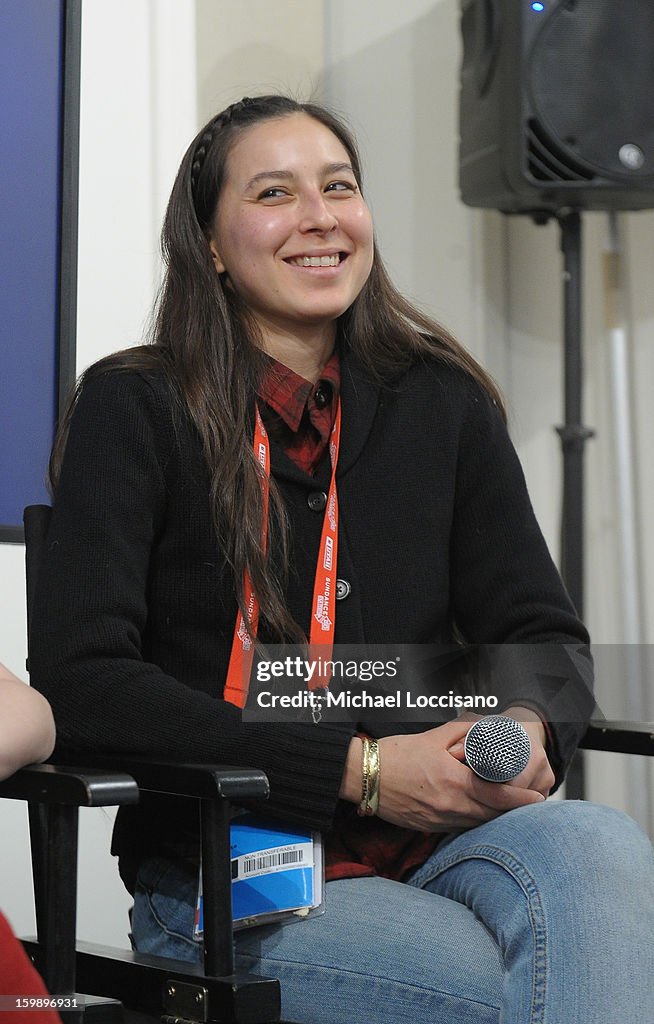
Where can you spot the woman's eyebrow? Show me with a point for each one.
(337, 167)
(264, 175)
(334, 168)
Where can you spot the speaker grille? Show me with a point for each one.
(591, 83)
(548, 162)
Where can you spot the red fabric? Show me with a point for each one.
(358, 846)
(292, 415)
(372, 846)
(18, 977)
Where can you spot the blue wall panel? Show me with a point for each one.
(31, 68)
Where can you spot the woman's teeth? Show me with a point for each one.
(317, 261)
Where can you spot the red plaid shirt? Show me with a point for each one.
(300, 416)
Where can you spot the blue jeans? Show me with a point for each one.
(543, 916)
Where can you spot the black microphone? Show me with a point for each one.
(497, 748)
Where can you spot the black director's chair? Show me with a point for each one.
(172, 990)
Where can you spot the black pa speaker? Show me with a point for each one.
(557, 105)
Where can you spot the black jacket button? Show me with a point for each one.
(322, 395)
(343, 590)
(317, 501)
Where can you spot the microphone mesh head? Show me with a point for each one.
(497, 748)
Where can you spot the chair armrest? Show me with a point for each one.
(80, 787)
(620, 737)
(118, 780)
(202, 781)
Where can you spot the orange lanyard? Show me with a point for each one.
(324, 588)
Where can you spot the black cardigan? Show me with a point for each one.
(134, 616)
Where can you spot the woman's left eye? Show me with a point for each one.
(341, 186)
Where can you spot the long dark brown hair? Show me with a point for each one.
(204, 339)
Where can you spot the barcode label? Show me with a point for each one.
(271, 860)
(264, 862)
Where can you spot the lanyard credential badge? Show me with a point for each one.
(322, 629)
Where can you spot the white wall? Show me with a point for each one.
(153, 70)
(392, 70)
(256, 47)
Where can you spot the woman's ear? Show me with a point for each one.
(215, 256)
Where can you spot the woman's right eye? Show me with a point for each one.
(275, 192)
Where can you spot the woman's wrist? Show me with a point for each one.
(361, 775)
(351, 781)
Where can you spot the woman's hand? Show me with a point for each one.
(538, 774)
(425, 786)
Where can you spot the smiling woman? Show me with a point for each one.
(301, 456)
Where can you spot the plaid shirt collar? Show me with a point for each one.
(290, 396)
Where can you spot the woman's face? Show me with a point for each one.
(292, 231)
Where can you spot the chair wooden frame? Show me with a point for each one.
(155, 985)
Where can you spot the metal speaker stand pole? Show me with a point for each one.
(640, 795)
(573, 435)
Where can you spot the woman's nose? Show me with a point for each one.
(316, 214)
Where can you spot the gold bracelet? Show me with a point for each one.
(370, 776)
(374, 775)
(365, 743)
